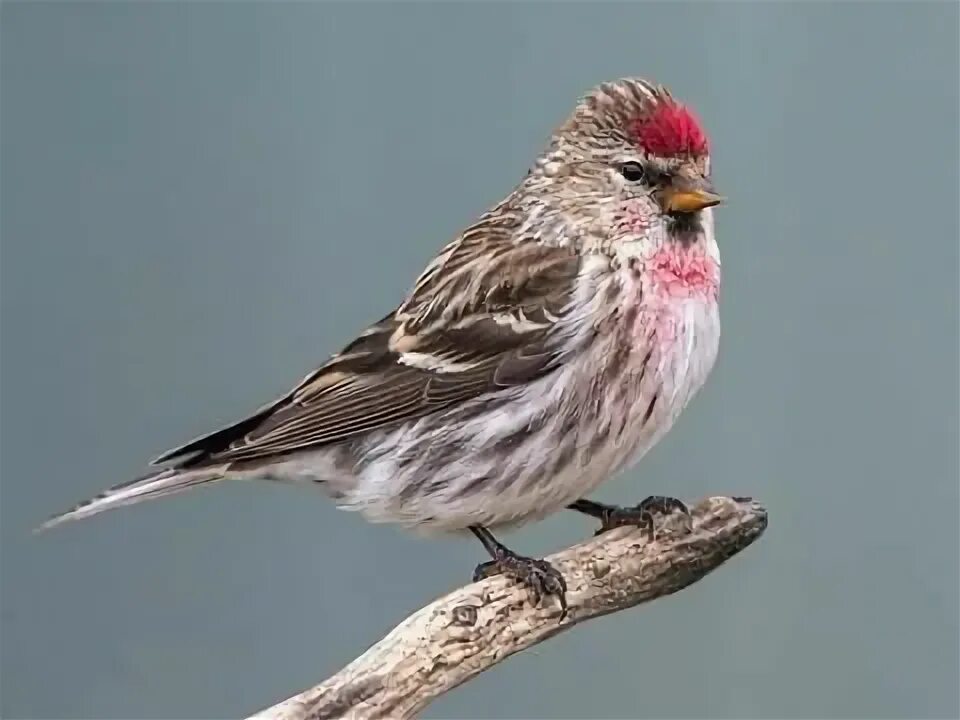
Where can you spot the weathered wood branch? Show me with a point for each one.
(476, 626)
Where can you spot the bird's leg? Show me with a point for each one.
(644, 515)
(538, 575)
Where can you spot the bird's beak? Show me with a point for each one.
(688, 199)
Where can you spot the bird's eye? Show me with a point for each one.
(633, 171)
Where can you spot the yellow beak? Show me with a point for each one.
(688, 200)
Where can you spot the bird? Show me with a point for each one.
(546, 347)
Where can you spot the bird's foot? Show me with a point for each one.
(542, 578)
(646, 515)
(539, 576)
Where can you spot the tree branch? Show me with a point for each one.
(476, 626)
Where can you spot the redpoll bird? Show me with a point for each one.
(552, 343)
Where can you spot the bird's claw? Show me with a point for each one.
(645, 514)
(539, 576)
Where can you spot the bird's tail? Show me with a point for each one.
(154, 485)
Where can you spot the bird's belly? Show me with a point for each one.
(641, 376)
(536, 449)
(674, 348)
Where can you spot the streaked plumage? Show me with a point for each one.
(549, 345)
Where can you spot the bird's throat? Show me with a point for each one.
(683, 270)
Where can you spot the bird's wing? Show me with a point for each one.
(478, 319)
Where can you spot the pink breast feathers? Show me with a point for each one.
(675, 271)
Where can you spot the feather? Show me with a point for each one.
(478, 319)
(153, 485)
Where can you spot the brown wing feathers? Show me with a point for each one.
(484, 325)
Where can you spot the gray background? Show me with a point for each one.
(202, 201)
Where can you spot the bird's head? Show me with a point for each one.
(630, 162)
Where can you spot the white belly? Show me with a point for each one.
(614, 398)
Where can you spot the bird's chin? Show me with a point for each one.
(685, 228)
